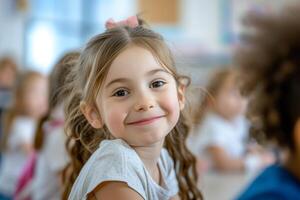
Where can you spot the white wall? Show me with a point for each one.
(11, 30)
(200, 21)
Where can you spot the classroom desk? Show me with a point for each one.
(224, 186)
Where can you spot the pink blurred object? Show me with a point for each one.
(24, 184)
(131, 21)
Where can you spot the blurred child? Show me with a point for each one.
(269, 60)
(8, 73)
(124, 115)
(50, 138)
(29, 104)
(221, 131)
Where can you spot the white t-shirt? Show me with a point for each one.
(217, 131)
(115, 160)
(231, 136)
(14, 159)
(50, 161)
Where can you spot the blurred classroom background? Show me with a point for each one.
(201, 33)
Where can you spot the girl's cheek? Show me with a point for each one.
(115, 121)
(171, 104)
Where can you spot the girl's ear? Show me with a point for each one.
(181, 95)
(91, 115)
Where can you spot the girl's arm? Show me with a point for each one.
(253, 161)
(114, 190)
(223, 162)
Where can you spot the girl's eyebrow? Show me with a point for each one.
(124, 80)
(154, 71)
(118, 80)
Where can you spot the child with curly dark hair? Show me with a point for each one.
(269, 58)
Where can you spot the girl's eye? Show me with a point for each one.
(157, 84)
(121, 93)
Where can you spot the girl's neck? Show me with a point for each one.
(293, 164)
(149, 156)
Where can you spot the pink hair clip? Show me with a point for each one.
(131, 21)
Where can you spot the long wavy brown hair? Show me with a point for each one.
(57, 92)
(269, 60)
(85, 83)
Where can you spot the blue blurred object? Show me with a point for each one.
(4, 197)
(274, 183)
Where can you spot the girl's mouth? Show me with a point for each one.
(145, 121)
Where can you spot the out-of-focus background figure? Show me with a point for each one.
(220, 136)
(221, 129)
(50, 139)
(29, 104)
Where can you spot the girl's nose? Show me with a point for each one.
(144, 103)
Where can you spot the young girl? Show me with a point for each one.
(50, 138)
(30, 103)
(124, 114)
(269, 57)
(221, 131)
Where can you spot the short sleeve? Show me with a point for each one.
(111, 162)
(115, 165)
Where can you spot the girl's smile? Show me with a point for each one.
(145, 121)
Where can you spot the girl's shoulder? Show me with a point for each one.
(116, 148)
(23, 124)
(23, 127)
(114, 155)
(116, 143)
(114, 160)
(24, 121)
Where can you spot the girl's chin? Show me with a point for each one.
(146, 142)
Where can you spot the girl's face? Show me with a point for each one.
(229, 101)
(7, 77)
(139, 100)
(36, 97)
